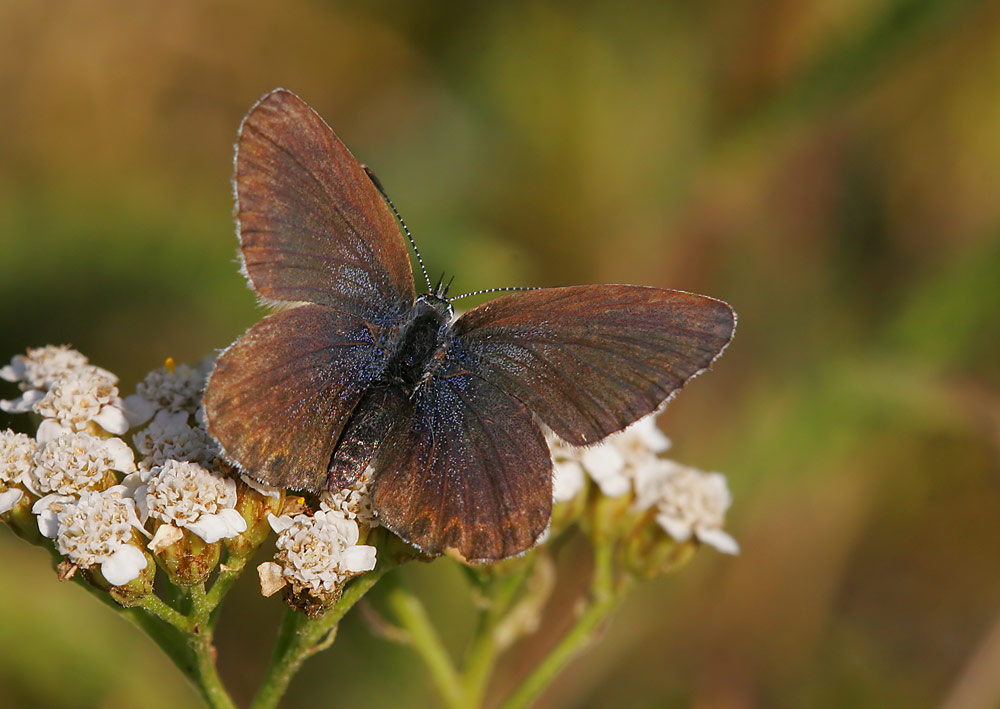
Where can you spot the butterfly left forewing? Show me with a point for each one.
(589, 360)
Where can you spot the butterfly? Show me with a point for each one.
(354, 369)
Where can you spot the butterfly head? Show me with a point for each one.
(440, 291)
(439, 304)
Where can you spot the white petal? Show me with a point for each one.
(676, 529)
(172, 421)
(47, 510)
(358, 558)
(234, 521)
(280, 524)
(225, 524)
(22, 404)
(13, 372)
(262, 488)
(122, 457)
(614, 485)
(347, 529)
(720, 540)
(112, 420)
(124, 493)
(139, 495)
(651, 435)
(9, 498)
(166, 535)
(567, 480)
(50, 429)
(208, 527)
(138, 409)
(133, 481)
(602, 460)
(124, 565)
(271, 578)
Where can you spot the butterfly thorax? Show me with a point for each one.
(418, 340)
(412, 351)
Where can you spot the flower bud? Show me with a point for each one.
(18, 515)
(648, 551)
(187, 558)
(254, 502)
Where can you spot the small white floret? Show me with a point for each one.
(188, 495)
(72, 462)
(688, 503)
(317, 552)
(95, 529)
(83, 396)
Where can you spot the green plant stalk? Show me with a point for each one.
(483, 652)
(172, 632)
(575, 640)
(603, 602)
(300, 637)
(229, 572)
(412, 616)
(207, 674)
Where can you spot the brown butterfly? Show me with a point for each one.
(358, 370)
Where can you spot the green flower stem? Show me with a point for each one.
(153, 605)
(412, 617)
(564, 651)
(199, 608)
(172, 632)
(228, 573)
(484, 650)
(603, 601)
(206, 674)
(301, 637)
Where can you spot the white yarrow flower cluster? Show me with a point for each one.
(316, 553)
(186, 495)
(36, 371)
(84, 396)
(17, 458)
(613, 463)
(170, 388)
(170, 437)
(688, 503)
(97, 528)
(60, 385)
(73, 462)
(353, 502)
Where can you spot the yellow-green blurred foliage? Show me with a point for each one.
(829, 167)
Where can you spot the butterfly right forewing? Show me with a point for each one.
(315, 234)
(280, 396)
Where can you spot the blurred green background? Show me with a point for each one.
(829, 167)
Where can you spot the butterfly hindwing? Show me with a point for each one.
(279, 397)
(312, 226)
(589, 360)
(465, 468)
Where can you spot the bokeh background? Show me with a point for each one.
(829, 167)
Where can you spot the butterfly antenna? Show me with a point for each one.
(492, 290)
(381, 189)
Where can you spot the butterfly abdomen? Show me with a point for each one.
(364, 433)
